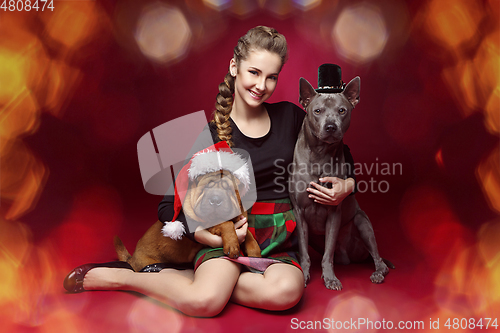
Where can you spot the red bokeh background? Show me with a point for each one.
(81, 84)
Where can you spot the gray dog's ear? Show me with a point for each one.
(351, 91)
(306, 92)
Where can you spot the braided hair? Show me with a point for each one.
(258, 38)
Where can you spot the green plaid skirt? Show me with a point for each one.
(272, 224)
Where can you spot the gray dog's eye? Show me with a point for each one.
(317, 111)
(342, 110)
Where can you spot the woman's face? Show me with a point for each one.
(256, 77)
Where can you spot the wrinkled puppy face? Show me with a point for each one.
(329, 115)
(214, 197)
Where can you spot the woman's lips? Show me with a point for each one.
(255, 95)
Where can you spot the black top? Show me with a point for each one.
(270, 154)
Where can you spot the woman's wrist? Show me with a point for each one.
(203, 236)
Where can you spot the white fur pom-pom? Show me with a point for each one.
(174, 230)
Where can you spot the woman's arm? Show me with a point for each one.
(166, 206)
(203, 236)
(341, 188)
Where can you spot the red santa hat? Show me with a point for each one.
(214, 158)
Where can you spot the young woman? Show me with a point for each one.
(268, 133)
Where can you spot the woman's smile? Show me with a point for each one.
(256, 78)
(255, 95)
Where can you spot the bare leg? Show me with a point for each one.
(204, 296)
(279, 288)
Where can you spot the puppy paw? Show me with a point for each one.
(252, 250)
(232, 251)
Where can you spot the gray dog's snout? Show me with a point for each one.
(331, 128)
(215, 200)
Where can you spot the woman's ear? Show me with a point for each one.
(233, 67)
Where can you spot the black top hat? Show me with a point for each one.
(330, 79)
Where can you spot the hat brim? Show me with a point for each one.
(329, 90)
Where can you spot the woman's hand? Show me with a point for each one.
(241, 227)
(331, 196)
(204, 236)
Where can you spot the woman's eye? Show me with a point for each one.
(342, 110)
(317, 111)
(274, 78)
(253, 72)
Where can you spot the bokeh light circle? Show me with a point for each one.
(350, 305)
(452, 23)
(217, 4)
(306, 5)
(163, 33)
(360, 33)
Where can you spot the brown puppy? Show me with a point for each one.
(209, 198)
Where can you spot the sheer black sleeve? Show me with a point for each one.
(166, 206)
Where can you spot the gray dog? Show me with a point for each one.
(343, 230)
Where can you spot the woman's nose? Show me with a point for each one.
(261, 84)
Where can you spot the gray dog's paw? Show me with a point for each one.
(305, 265)
(307, 275)
(381, 271)
(307, 278)
(333, 284)
(377, 277)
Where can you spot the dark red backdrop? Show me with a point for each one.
(437, 222)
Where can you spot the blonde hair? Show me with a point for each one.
(258, 38)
